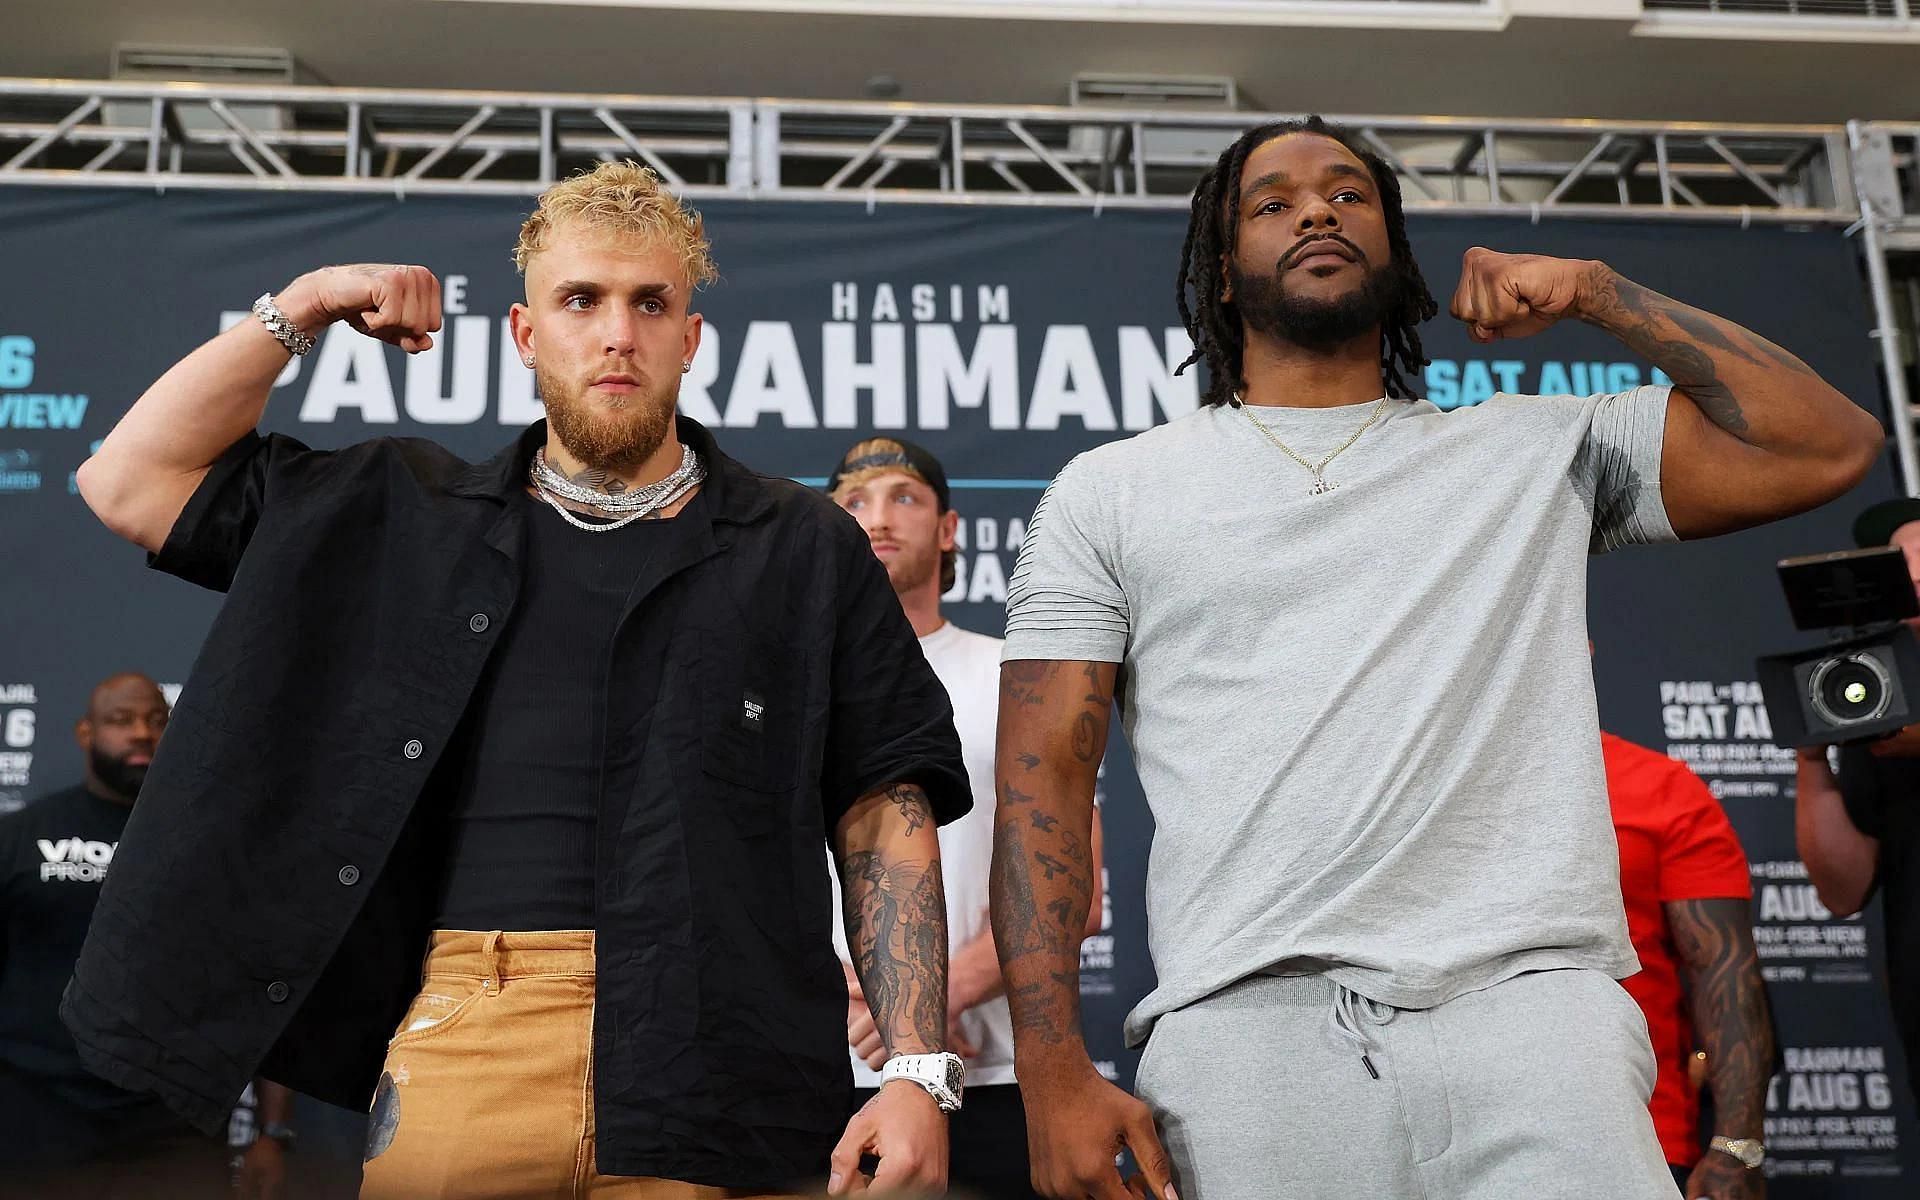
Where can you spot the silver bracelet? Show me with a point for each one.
(284, 331)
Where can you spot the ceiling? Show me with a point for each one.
(1535, 67)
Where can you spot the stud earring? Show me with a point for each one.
(527, 361)
(685, 367)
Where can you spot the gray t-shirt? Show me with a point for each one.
(1364, 720)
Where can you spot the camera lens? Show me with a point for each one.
(1850, 689)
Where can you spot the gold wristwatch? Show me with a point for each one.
(1748, 1150)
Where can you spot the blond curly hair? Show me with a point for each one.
(621, 199)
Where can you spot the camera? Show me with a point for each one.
(1865, 682)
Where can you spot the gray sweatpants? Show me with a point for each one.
(1534, 1089)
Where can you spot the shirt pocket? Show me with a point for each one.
(752, 721)
(746, 824)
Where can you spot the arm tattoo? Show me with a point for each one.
(1021, 679)
(1096, 693)
(912, 803)
(1037, 1012)
(896, 925)
(1691, 346)
(927, 951)
(1062, 910)
(1051, 865)
(1714, 939)
(1086, 746)
(1042, 879)
(1017, 929)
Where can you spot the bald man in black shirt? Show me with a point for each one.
(54, 857)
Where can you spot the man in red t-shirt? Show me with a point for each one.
(1684, 878)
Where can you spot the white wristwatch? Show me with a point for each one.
(943, 1075)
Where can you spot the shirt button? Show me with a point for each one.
(413, 749)
(349, 875)
(277, 992)
(478, 622)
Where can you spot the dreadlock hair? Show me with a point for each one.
(1213, 322)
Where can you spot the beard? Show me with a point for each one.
(614, 434)
(115, 774)
(1267, 305)
(912, 567)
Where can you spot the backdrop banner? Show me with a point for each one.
(1006, 341)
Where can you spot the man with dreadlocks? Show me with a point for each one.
(1347, 636)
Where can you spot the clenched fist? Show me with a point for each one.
(1518, 295)
(400, 305)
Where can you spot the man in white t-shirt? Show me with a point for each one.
(898, 492)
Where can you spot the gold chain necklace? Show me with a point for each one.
(1320, 484)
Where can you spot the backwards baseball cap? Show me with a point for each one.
(891, 454)
(1875, 526)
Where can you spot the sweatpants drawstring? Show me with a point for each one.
(1352, 1014)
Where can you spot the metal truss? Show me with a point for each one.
(1886, 158)
(1124, 158)
(87, 133)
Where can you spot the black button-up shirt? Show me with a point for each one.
(269, 903)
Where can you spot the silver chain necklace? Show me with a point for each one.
(553, 481)
(1320, 484)
(553, 487)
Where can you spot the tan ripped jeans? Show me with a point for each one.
(488, 1086)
